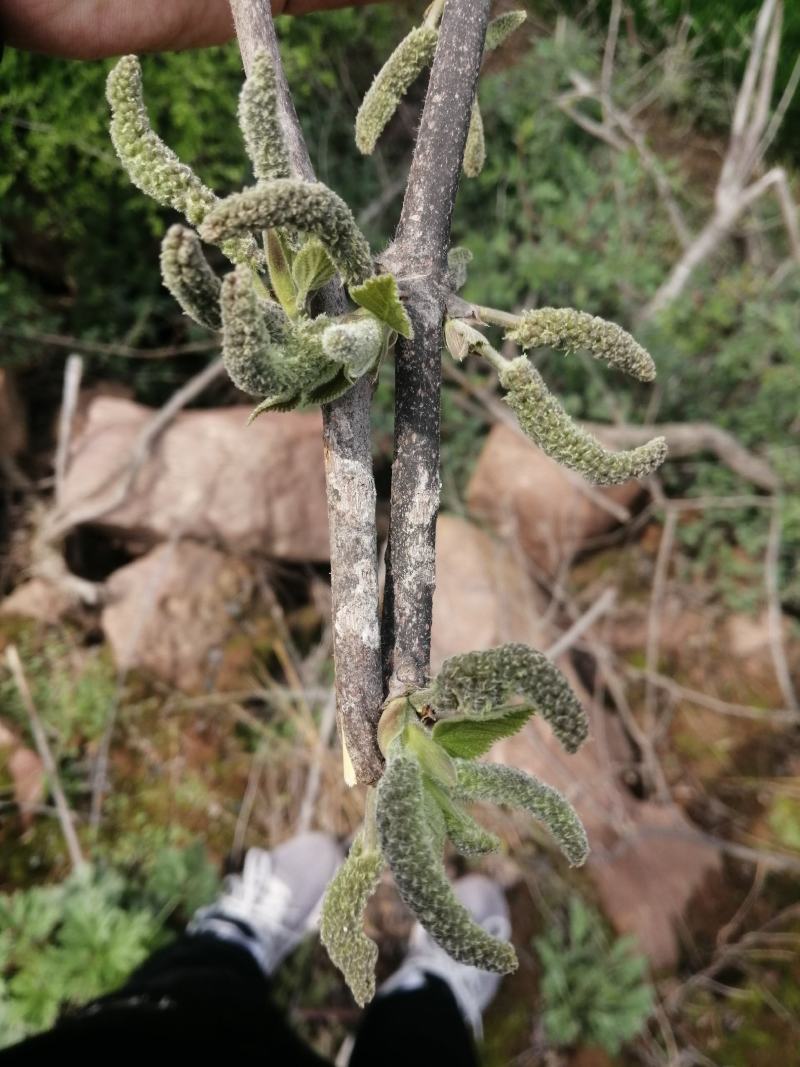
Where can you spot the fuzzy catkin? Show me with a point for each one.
(543, 419)
(475, 684)
(247, 348)
(567, 329)
(310, 207)
(513, 788)
(260, 123)
(414, 53)
(189, 278)
(342, 925)
(151, 165)
(475, 151)
(500, 28)
(467, 836)
(406, 844)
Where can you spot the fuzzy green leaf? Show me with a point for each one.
(501, 28)
(280, 274)
(468, 836)
(475, 150)
(432, 757)
(311, 269)
(471, 738)
(380, 295)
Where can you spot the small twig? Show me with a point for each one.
(774, 613)
(45, 752)
(122, 480)
(572, 636)
(69, 402)
(327, 725)
(654, 615)
(249, 799)
(100, 348)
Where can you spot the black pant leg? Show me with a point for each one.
(199, 1000)
(419, 1028)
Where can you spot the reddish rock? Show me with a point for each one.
(171, 612)
(258, 488)
(528, 499)
(484, 595)
(37, 599)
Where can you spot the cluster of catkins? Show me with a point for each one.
(431, 772)
(287, 238)
(272, 347)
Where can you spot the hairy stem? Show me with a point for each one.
(348, 469)
(418, 257)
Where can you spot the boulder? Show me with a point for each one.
(37, 599)
(484, 595)
(172, 611)
(209, 477)
(550, 512)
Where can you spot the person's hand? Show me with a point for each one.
(91, 29)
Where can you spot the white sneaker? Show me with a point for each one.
(276, 900)
(473, 988)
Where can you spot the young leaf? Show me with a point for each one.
(458, 259)
(506, 785)
(342, 925)
(356, 342)
(468, 836)
(419, 874)
(311, 269)
(547, 424)
(433, 759)
(380, 295)
(477, 685)
(460, 339)
(247, 348)
(470, 738)
(280, 275)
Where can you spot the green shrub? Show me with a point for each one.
(594, 989)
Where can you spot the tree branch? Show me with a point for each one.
(350, 483)
(418, 258)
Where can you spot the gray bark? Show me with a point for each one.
(418, 257)
(350, 483)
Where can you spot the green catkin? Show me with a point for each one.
(414, 53)
(247, 347)
(419, 874)
(475, 151)
(500, 28)
(513, 788)
(152, 166)
(543, 419)
(342, 924)
(356, 343)
(570, 330)
(189, 278)
(260, 123)
(476, 684)
(310, 207)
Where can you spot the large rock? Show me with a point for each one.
(37, 599)
(484, 596)
(526, 497)
(172, 611)
(13, 424)
(647, 862)
(209, 477)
